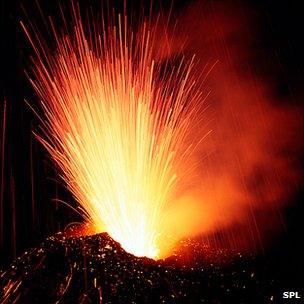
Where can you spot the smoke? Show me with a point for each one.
(248, 167)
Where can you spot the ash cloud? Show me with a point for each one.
(249, 166)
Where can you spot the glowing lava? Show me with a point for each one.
(116, 123)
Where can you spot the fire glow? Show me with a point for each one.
(124, 118)
(116, 124)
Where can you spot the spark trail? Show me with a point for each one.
(117, 121)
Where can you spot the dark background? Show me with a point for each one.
(29, 178)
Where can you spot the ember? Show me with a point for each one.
(96, 269)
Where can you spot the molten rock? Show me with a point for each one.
(95, 269)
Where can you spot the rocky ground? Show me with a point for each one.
(95, 269)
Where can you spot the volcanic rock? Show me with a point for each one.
(96, 269)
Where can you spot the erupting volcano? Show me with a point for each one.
(177, 151)
(125, 115)
(116, 122)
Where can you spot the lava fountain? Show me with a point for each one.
(116, 121)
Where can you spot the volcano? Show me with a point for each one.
(96, 269)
